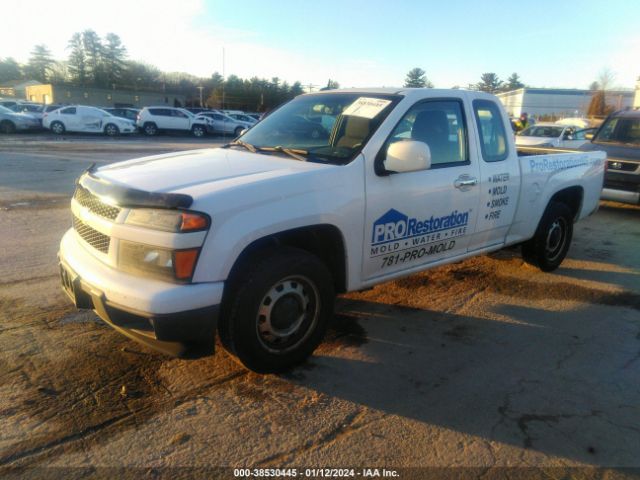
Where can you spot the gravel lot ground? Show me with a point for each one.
(486, 363)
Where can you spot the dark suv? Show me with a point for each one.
(619, 136)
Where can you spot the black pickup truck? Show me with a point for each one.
(619, 136)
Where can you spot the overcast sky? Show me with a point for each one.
(358, 43)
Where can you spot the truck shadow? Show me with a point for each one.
(551, 382)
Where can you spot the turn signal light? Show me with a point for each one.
(184, 263)
(192, 221)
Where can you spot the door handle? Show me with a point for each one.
(465, 182)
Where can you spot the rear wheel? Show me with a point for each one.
(150, 129)
(7, 126)
(279, 310)
(111, 130)
(198, 131)
(57, 128)
(550, 244)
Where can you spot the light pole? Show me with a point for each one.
(224, 80)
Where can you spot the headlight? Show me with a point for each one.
(168, 220)
(166, 264)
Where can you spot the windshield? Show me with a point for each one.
(542, 131)
(330, 127)
(5, 110)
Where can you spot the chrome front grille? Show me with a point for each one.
(87, 199)
(97, 240)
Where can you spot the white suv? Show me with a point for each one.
(153, 119)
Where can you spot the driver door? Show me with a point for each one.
(421, 217)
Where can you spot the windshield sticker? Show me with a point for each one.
(366, 107)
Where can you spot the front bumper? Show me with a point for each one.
(167, 317)
(621, 187)
(25, 127)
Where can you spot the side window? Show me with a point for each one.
(493, 139)
(629, 131)
(217, 116)
(68, 111)
(163, 112)
(441, 125)
(178, 113)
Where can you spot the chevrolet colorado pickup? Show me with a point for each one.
(332, 192)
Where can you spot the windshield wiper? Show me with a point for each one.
(296, 153)
(240, 143)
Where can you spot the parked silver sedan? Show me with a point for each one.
(11, 121)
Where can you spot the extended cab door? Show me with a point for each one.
(420, 217)
(499, 174)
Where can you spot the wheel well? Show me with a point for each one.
(324, 241)
(571, 197)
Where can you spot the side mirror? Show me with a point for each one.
(589, 136)
(569, 137)
(407, 156)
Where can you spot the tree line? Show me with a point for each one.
(99, 62)
(489, 82)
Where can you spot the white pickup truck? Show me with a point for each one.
(332, 192)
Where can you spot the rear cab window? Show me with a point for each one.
(493, 138)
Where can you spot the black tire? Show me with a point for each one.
(150, 129)
(198, 131)
(57, 127)
(238, 131)
(550, 244)
(7, 126)
(111, 130)
(270, 334)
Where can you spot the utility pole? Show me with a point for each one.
(200, 88)
(224, 79)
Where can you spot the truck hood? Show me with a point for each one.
(184, 172)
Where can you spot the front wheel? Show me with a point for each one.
(550, 244)
(198, 131)
(7, 126)
(111, 130)
(279, 312)
(238, 131)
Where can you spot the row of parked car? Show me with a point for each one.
(23, 116)
(561, 134)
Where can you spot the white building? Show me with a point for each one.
(560, 102)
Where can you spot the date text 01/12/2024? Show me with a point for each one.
(315, 472)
